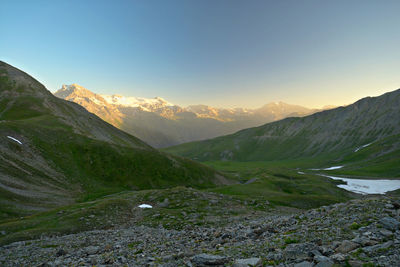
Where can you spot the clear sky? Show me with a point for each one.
(224, 53)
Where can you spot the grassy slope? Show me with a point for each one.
(96, 163)
(380, 159)
(280, 185)
(186, 207)
(275, 187)
(320, 140)
(104, 161)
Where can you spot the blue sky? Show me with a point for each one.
(222, 53)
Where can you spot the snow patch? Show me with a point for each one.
(364, 187)
(145, 206)
(14, 139)
(361, 147)
(300, 172)
(96, 101)
(328, 169)
(333, 168)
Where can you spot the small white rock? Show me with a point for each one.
(145, 206)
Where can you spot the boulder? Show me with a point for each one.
(208, 259)
(247, 262)
(298, 251)
(323, 261)
(347, 246)
(390, 223)
(385, 233)
(303, 264)
(90, 250)
(371, 249)
(364, 241)
(338, 257)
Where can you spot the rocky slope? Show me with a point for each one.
(363, 232)
(54, 152)
(162, 124)
(92, 102)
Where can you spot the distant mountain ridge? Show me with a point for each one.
(367, 131)
(161, 123)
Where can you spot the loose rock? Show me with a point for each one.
(247, 262)
(207, 259)
(347, 246)
(390, 223)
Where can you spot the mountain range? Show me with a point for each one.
(366, 132)
(54, 152)
(162, 124)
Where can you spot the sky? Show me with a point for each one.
(224, 53)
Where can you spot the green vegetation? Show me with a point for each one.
(63, 220)
(279, 185)
(321, 140)
(275, 187)
(97, 168)
(101, 167)
(380, 159)
(291, 241)
(185, 207)
(355, 226)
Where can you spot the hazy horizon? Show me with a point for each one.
(222, 54)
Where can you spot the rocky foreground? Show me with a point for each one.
(363, 232)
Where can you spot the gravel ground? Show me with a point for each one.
(362, 232)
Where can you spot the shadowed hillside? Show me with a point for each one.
(54, 152)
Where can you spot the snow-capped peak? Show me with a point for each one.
(136, 101)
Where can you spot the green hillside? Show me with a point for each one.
(62, 153)
(327, 137)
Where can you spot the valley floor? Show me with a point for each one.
(361, 232)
